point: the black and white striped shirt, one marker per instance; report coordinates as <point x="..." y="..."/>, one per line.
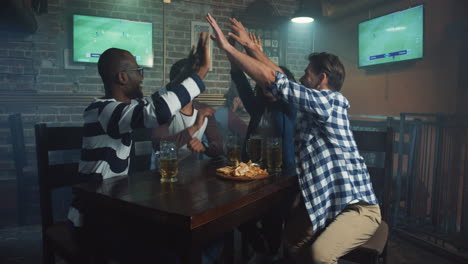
<point x="108" y="124"/>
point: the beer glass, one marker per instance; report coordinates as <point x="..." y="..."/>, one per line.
<point x="168" y="164"/>
<point x="233" y="149"/>
<point x="254" y="148"/>
<point x="274" y="154"/>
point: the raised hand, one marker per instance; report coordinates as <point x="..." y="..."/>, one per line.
<point x="200" y="56"/>
<point x="218" y="35"/>
<point x="239" y="33"/>
<point x="256" y="40"/>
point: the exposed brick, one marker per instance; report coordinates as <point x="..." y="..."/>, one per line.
<point x="45" y="49"/>
<point x="48" y="118"/>
<point x="77" y="118"/>
<point x="63" y="118"/>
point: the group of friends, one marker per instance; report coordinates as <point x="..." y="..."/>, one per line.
<point x="336" y="209"/>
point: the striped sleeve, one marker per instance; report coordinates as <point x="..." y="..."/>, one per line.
<point x="170" y="102"/>
<point x="119" y="118"/>
<point x="306" y="99"/>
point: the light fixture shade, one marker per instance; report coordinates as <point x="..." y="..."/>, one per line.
<point x="307" y="12"/>
<point x="302" y="19"/>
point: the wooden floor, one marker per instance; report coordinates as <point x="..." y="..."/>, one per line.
<point x="21" y="245"/>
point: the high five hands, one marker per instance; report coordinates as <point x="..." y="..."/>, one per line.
<point x="239" y="34"/>
<point x="255" y="63"/>
<point x="257" y="41"/>
<point x="218" y="35"/>
<point x="200" y="55"/>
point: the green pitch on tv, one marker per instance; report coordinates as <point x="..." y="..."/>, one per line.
<point x="93" y="35"/>
<point x="391" y="38"/>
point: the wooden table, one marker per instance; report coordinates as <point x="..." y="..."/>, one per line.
<point x="188" y="214"/>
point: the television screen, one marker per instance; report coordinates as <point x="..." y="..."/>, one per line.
<point x="394" y="37"/>
<point x="93" y="35"/>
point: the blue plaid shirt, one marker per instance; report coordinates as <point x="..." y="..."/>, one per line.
<point x="331" y="171"/>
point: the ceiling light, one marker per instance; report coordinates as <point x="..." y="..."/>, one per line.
<point x="307" y="12"/>
<point x="302" y="19"/>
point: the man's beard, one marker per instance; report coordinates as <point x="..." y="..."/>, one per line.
<point x="135" y="93"/>
<point x="139" y="94"/>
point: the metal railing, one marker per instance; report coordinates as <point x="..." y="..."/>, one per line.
<point x="432" y="174"/>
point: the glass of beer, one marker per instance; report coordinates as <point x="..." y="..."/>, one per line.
<point x="168" y="161"/>
<point x="233" y="149"/>
<point x="254" y="148"/>
<point x="274" y="154"/>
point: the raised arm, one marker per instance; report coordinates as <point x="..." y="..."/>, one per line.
<point x="242" y="85"/>
<point x="308" y="100"/>
<point x="251" y="43"/>
<point x="118" y="118"/>
<point x="261" y="73"/>
<point x="246" y="94"/>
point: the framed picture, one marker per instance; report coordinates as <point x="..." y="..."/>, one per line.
<point x="196" y="28"/>
<point x="271" y="41"/>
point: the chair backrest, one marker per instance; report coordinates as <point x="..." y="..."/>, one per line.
<point x="19" y="155"/>
<point x="142" y="148"/>
<point x="54" y="176"/>
<point x="17" y="140"/>
<point x="377" y="149"/>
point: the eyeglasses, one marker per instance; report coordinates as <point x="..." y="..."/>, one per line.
<point x="140" y="70"/>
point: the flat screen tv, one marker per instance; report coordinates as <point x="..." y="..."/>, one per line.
<point x="394" y="37"/>
<point x="93" y="35"/>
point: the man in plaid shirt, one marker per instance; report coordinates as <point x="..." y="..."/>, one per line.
<point x="338" y="210"/>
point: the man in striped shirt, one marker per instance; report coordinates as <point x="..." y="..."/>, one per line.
<point x="109" y="121"/>
<point x="338" y="210"/>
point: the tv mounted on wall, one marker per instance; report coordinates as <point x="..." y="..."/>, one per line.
<point x="391" y="38"/>
<point x="93" y="35"/>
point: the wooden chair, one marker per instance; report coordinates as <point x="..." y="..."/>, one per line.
<point x="377" y="144"/>
<point x="56" y="236"/>
<point x="15" y="190"/>
<point x="142" y="148"/>
<point x="19" y="155"/>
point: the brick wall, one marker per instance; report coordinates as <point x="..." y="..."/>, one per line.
<point x="32" y="64"/>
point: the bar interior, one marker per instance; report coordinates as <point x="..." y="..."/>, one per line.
<point x="233" y="131"/>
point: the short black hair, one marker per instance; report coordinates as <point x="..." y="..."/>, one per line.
<point x="330" y="65"/>
<point x="110" y="63"/>
<point x="180" y="71"/>
<point x="178" y="67"/>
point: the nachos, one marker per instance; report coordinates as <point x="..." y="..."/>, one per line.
<point x="241" y="169"/>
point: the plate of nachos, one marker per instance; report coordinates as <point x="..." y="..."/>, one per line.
<point x="242" y="172"/>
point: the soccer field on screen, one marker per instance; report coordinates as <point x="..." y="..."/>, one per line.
<point x="394" y="37"/>
<point x="93" y="35"/>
